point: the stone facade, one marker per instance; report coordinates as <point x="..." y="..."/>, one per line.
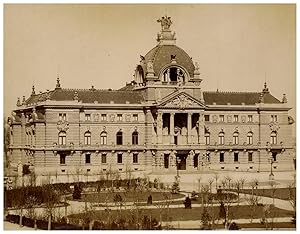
<point x="161" y="121"/>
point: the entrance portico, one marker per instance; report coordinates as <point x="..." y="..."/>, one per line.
<point x="180" y="128"/>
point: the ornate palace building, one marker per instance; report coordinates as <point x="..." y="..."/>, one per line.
<point x="162" y="121"/>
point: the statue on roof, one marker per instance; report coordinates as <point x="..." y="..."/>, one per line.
<point x="165" y="22"/>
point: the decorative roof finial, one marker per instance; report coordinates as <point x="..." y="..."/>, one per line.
<point x="284" y="99"/>
<point x="18" y="102"/>
<point x="265" y="90"/>
<point x="33" y="90"/>
<point x="165" y="22"/>
<point x="24" y="100"/>
<point x="166" y="36"/>
<point x="58" y="82"/>
<point x="261" y="98"/>
<point x="75" y="97"/>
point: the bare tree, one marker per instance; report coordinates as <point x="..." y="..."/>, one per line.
<point x="19" y="204"/>
<point x="210" y="181"/>
<point x="31" y="202"/>
<point x="228" y="180"/>
<point x="243" y="181"/>
<point x="216" y="179"/>
<point x="292" y="198"/>
<point x="252" y="199"/>
<point x="226" y="199"/>
<point x="51" y="199"/>
<point x="237" y="186"/>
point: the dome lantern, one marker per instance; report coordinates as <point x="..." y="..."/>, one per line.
<point x="166" y="36"/>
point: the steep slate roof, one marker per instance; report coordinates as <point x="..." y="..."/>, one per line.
<point x="160" y="55"/>
<point x="89" y="96"/>
<point x="237" y="98"/>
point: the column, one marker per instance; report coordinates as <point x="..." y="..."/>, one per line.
<point x="149" y="127"/>
<point x="159" y="127"/>
<point x="172" y="127"/>
<point x="189" y="128"/>
<point x="201" y="128"/>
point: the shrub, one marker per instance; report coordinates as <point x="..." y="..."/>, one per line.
<point x="28" y="222"/>
<point x="77" y="192"/>
<point x="233" y="226"/>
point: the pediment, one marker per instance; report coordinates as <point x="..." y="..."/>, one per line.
<point x="181" y="101"/>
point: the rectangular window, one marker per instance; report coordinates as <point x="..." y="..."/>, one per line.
<point x="221" y="139"/>
<point x="250" y="157"/>
<point x="119" y="138"/>
<point x="221" y="157"/>
<point x="88" y="158"/>
<point x="207" y="139"/>
<point x="135" y="117"/>
<point x="62" y="116"/>
<point x="62" y="159"/>
<point x="119" y="117"/>
<point x="221" y="118"/>
<point x="236" y="118"/>
<point x="206" y="118"/>
<point x="208" y="157"/>
<point x="87" y="117"/>
<point x="135" y="158"/>
<point x="196" y="160"/>
<point x="62" y="139"/>
<point x="274" y="118"/>
<point x="250" y="118"/>
<point x="235" y="139"/>
<point x="103" y="158"/>
<point x="274" y="156"/>
<point x="103" y="117"/>
<point x="120" y="159"/>
<point x="236" y="156"/>
<point x="103" y="139"/>
<point x="166" y="160"/>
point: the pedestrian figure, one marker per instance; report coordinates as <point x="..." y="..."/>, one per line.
<point x="149" y="202"/>
<point x="187" y="203"/>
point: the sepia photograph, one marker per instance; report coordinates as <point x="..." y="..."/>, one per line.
<point x="149" y="117"/>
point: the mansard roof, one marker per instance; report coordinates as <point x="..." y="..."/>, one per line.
<point x="89" y="96"/>
<point x="237" y="98"/>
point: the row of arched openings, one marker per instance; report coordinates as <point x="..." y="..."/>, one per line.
<point x="235" y="138"/>
<point x="103" y="138"/>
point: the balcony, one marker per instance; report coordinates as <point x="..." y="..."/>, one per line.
<point x="65" y="147"/>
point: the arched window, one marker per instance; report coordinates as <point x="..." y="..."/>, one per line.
<point x="207" y="138"/>
<point x="274" y="138"/>
<point x="62" y="138"/>
<point x="87" y="138"/>
<point x="119" y="138"/>
<point x="174" y="74"/>
<point x="221" y="138"/>
<point x="235" y="138"/>
<point x="250" y="138"/>
<point x="103" y="138"/>
<point x="135" y="138"/>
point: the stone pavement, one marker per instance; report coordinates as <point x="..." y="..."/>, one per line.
<point x="193" y="224"/>
<point x="14" y="226"/>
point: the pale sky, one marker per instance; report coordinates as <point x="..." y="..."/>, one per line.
<point x="236" y="46"/>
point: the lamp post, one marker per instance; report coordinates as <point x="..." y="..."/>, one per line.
<point x="178" y="160"/>
<point x="271" y="176"/>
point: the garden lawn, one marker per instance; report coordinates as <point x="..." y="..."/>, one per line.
<point x="177" y="214"/>
<point x="130" y="196"/>
<point x="280" y="193"/>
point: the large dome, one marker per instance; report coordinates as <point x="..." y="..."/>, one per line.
<point x="161" y="56"/>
